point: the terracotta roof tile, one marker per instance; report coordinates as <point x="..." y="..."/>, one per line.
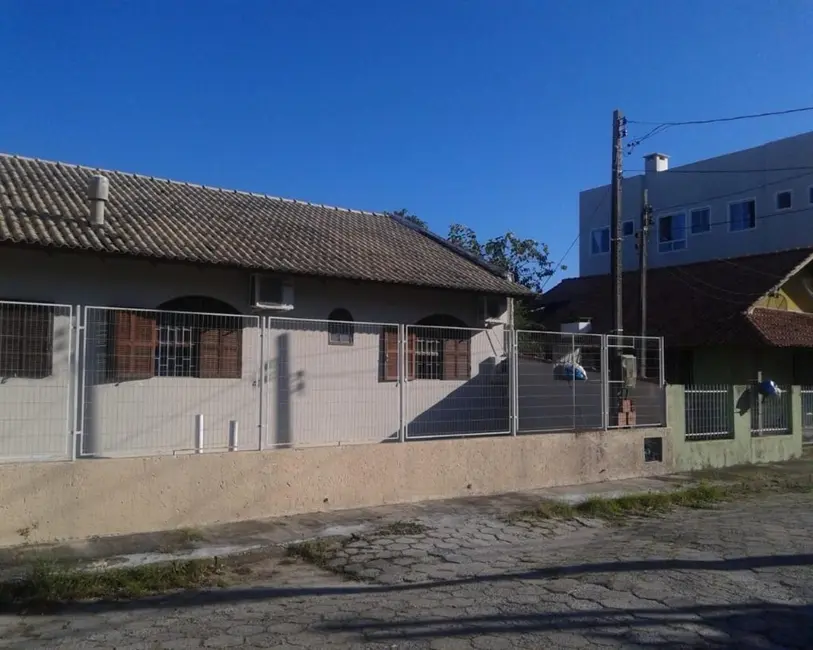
<point x="690" y="305"/>
<point x="44" y="203"/>
<point x="783" y="328"/>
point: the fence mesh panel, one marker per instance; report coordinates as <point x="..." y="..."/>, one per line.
<point x="709" y="412"/>
<point x="807" y="414"/>
<point x="158" y="382"/>
<point x="770" y="416"/>
<point x="330" y="382"/>
<point x="643" y="404"/>
<point x="35" y="381"/>
<point x="457" y="381"/>
<point x="559" y="381"/>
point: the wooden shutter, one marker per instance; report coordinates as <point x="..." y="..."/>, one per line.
<point x="36" y="342"/>
<point x="390" y="350"/>
<point x="456" y="359"/>
<point x="134" y="338"/>
<point x="221" y="353"/>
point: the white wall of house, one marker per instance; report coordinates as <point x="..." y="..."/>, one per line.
<point x="698" y="186"/>
<point x="315" y="393"/>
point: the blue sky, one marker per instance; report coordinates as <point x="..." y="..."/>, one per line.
<point x="491" y="113"/>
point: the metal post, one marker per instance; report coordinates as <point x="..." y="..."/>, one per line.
<point x="73" y="393"/>
<point x="261" y="382"/>
<point x="616" y="238"/>
<point x="758" y="402"/>
<point x="402" y="376"/>
<point x="643" y="261"/>
<point x="79" y="378"/>
<point x="198" y="433"/>
<point x="233" y="435"/>
<point x="512" y="382"/>
<point x="605" y="383"/>
<point x="573" y="381"/>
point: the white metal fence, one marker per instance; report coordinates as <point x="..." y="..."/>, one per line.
<point x="807" y="414"/>
<point x="108" y="382"/>
<point x="770" y="416"/>
<point x="35" y="381"/>
<point x="709" y="412"/>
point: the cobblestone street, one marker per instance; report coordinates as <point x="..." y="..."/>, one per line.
<point x="739" y="576"/>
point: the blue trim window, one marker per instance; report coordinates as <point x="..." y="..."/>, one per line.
<point x="742" y="215"/>
<point x="600" y="241"/>
<point x="672" y="232"/>
<point x="628" y="229"/>
<point x="701" y="220"/>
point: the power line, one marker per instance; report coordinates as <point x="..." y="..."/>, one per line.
<point x="734" y="118"/>
<point x="671" y="270"/>
<point x="573" y="243"/>
<point x="730" y="171"/>
<point x="689" y="277"/>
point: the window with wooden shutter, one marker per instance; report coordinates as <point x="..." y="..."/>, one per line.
<point x="456" y="359"/>
<point x="221" y="353"/>
<point x="389" y="350"/>
<point x="26" y="340"/>
<point x="133" y="337"/>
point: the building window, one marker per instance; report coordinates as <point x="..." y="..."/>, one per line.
<point x="810" y="194"/>
<point x="600" y="241"/>
<point x="672" y="232"/>
<point x="26" y="340"/>
<point x="742" y="215"/>
<point x="701" y="220"/>
<point x="438" y="347"/>
<point x="784" y="200"/>
<point x="628" y="229"/>
<point x="340" y="330"/>
<point x="187" y="337"/>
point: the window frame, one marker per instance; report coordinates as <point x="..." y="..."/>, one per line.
<point x="739" y="202"/>
<point x="609" y="241"/>
<point x="43" y="312"/>
<point x="341" y="331"/>
<point x="685" y="240"/>
<point x="776" y="200"/>
<point x="691" y="223"/>
<point x="623" y="228"/>
<point x="810" y="195"/>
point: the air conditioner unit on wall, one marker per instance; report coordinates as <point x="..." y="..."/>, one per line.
<point x="491" y="309"/>
<point x="271" y="292"/>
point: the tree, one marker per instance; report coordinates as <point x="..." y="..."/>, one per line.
<point x="527" y="259"/>
<point x="404" y="214"/>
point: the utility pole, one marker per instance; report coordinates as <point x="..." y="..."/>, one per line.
<point x="643" y="260"/>
<point x="616" y="240"/>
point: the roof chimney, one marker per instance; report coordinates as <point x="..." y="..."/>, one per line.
<point x="98" y="190"/>
<point x="656" y="162"/>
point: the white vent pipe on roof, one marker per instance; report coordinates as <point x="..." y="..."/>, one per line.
<point x="98" y="192"/>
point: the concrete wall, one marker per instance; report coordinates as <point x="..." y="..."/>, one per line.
<point x="680" y="190"/>
<point x="314" y="393"/>
<point x="739" y="450"/>
<point x="128" y="495"/>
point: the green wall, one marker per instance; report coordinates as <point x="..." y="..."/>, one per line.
<point x="731" y="365"/>
<point x="742" y="448"/>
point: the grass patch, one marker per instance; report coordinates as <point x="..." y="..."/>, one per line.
<point x="318" y="552"/>
<point x="401" y="528"/>
<point x="640" y="505"/>
<point x="48" y="585"/>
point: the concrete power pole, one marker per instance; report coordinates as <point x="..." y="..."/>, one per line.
<point x="616" y="234"/>
<point x="643" y="259"/>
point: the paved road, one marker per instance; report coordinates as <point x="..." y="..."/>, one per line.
<point x="739" y="577"/>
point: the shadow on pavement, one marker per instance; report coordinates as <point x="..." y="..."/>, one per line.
<point x="746" y="627"/>
<point x="241" y="595"/>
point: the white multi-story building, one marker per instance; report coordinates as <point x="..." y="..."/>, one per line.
<point x="758" y="200"/>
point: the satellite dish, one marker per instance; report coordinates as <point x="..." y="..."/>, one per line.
<point x="807" y="282"/>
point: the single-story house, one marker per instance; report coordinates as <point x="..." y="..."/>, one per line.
<point x="722" y="321"/>
<point x="156" y="289"/>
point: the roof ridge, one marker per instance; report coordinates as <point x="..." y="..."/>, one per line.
<point x="211" y="188"/>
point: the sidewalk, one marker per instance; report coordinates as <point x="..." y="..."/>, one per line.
<point x="243" y="537"/>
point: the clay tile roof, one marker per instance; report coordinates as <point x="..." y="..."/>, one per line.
<point x="691" y="305"/>
<point x="783" y="328"/>
<point x="44" y="204"/>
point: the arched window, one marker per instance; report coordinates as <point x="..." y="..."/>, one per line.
<point x="340" y="328"/>
<point x="441" y="347"/>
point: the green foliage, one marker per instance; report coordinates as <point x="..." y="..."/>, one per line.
<point x="406" y="216"/>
